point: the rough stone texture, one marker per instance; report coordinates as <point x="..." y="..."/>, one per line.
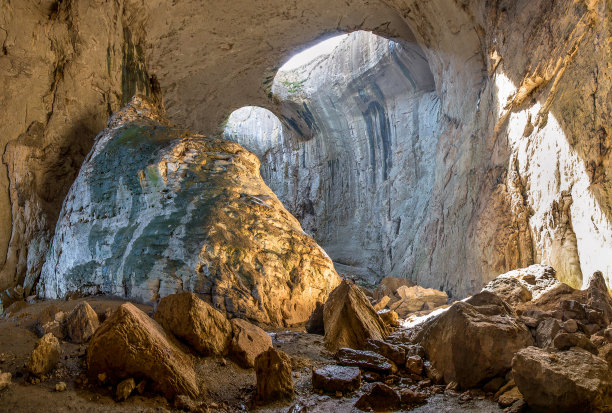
<point x="81" y="323"/>
<point x="274" y="381"/>
<point x="510" y="290"/>
<point x="598" y="296"/>
<point x="350" y="320"/>
<point x="45" y="355"/>
<point x="248" y="342"/>
<point x="367" y="360"/>
<point x="394" y="353"/>
<point x="189" y="318"/>
<point x="5" y="380"/>
<point x="131" y="344"/>
<point x="567" y="381"/>
<point x="315" y="324"/>
<point x="389" y="285"/>
<point x="537" y="279"/>
<point x="51" y="320"/>
<point x="332" y="379"/>
<point x="379" y="398"/>
<point x="157" y="210"/>
<point x="412" y="299"/>
<point x="389" y="317"/>
<point x="474" y="340"/>
<point x="546" y="332"/>
<point x="124" y="389"/>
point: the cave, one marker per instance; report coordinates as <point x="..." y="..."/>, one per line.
<point x="379" y="205"/>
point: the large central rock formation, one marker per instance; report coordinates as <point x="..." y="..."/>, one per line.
<point x="156" y="210"/>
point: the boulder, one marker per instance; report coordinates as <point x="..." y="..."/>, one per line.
<point x="51" y="320"/>
<point x="563" y="381"/>
<point x="332" y="379"/>
<point x="382" y="303"/>
<point x="315" y="324"/>
<point x="274" y="381"/>
<point x="172" y="210"/>
<point x="350" y="320"/>
<point x="248" y="342"/>
<point x="367" y="360"/>
<point x="414" y="364"/>
<point x="509" y="397"/>
<point x="389" y="285"/>
<point x="565" y="341"/>
<point x="10" y="296"/>
<point x="45" y="355"/>
<point x="412" y="397"/>
<point x="599" y="298"/>
<point x="81" y="323"/>
<point x="124" y="389"/>
<point x="389" y="317"/>
<point x="5" y="380"/>
<point x="511" y="290"/>
<point x="474" y="340"/>
<point x="131" y="344"/>
<point x="546" y="332"/>
<point x="416" y="298"/>
<point x="195" y="322"/>
<point x="537" y="279"/>
<point x="394" y="353"/>
<point x="379" y="398"/>
<point x="605" y="353"/>
<point x="14" y="308"/>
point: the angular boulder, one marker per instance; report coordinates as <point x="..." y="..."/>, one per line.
<point x="379" y="398"/>
<point x="511" y="290"/>
<point x="394" y="353"/>
<point x="51" y="320"/>
<point x="194" y="321"/>
<point x="274" y="381"/>
<point x="156" y="210"/>
<point x="367" y="360"/>
<point x="315" y="324"/>
<point x="45" y="355"/>
<point x="332" y="379"/>
<point x="599" y="298"/>
<point x="417" y="298"/>
<point x="389" y="285"/>
<point x="474" y="340"/>
<point x="563" y="381"/>
<point x="248" y="342"/>
<point x="131" y="344"/>
<point x="537" y="279"/>
<point x="82" y="323"/>
<point x="350" y="320"/>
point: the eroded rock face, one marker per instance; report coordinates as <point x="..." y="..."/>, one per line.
<point x="566" y="381"/>
<point x="274" y="381"/>
<point x="131" y="344"/>
<point x="45" y="355"/>
<point x="350" y="320"/>
<point x="248" y="342"/>
<point x="196" y="322"/>
<point x="157" y="210"/>
<point x="81" y="323"/>
<point x="332" y="379"/>
<point x="474" y="340"/>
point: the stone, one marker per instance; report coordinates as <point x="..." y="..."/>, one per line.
<point x="388" y="287"/>
<point x="509" y="289"/>
<point x="45" y="355"/>
<point x="10" y="296"/>
<point x="474" y="340"/>
<point x="350" y="320"/>
<point x="5" y="380"/>
<point x="389" y="317"/>
<point x="332" y="379"/>
<point x="60" y="387"/>
<point x="131" y="344"/>
<point x="565" y="341"/>
<point x="315" y="324"/>
<point x="248" y="342"/>
<point x="598" y="297"/>
<point x="414" y="364"/>
<point x="81" y="323"/>
<point x="410" y="397"/>
<point x="510" y="397"/>
<point x="15" y="308"/>
<point x="124" y="389"/>
<point x="274" y="381"/>
<point x="494" y="385"/>
<point x="171" y="202"/>
<point x="195" y="322"/>
<point x="51" y="320"/>
<point x="183" y="402"/>
<point x="566" y="381"/>
<point x="379" y="398"/>
<point x="546" y="332"/>
<point x="417" y="298"/>
<point x="571" y="326"/>
<point x="394" y="353"/>
<point x="414" y="350"/>
<point x="367" y="360"/>
<point x="605" y="353"/>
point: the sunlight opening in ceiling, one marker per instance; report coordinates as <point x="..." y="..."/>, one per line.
<point x="308" y="55"/>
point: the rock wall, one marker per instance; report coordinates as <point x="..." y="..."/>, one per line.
<point x="156" y="210"/>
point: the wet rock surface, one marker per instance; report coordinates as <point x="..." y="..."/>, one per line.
<point x="367" y="360"/>
<point x="332" y="379"/>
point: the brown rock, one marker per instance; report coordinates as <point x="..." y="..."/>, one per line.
<point x="605" y="353"/>
<point x="367" y="360"/>
<point x="510" y="397"/>
<point x="389" y="317"/>
<point x="274" y="381"/>
<point x="414" y="364"/>
<point x="494" y="385"/>
<point x="315" y="324"/>
<point x="382" y="303"/>
<point x="567" y="381"/>
<point x="51" y="320"/>
<point x="249" y="341"/>
<point x="511" y="290"/>
<point x="417" y="298"/>
<point x="194" y="321"/>
<point x="411" y="397"/>
<point x="379" y="398"/>
<point x="546" y="332"/>
<point x="394" y="353"/>
<point x="5" y="380"/>
<point x="131" y="344"/>
<point x="350" y="319"/>
<point x="45" y="355"/>
<point x="565" y="341"/>
<point x="599" y="298"/>
<point x="475" y="340"/>
<point x="332" y="379"/>
<point x="81" y="323"/>
<point x="15" y="308"/>
<point x="125" y="388"/>
<point x="389" y="285"/>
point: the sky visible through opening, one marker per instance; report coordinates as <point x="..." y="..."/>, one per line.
<point x="308" y="55"/>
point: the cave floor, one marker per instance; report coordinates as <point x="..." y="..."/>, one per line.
<point x="228" y="387"/>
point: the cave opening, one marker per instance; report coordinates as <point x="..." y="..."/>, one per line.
<point x="350" y="149"/>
